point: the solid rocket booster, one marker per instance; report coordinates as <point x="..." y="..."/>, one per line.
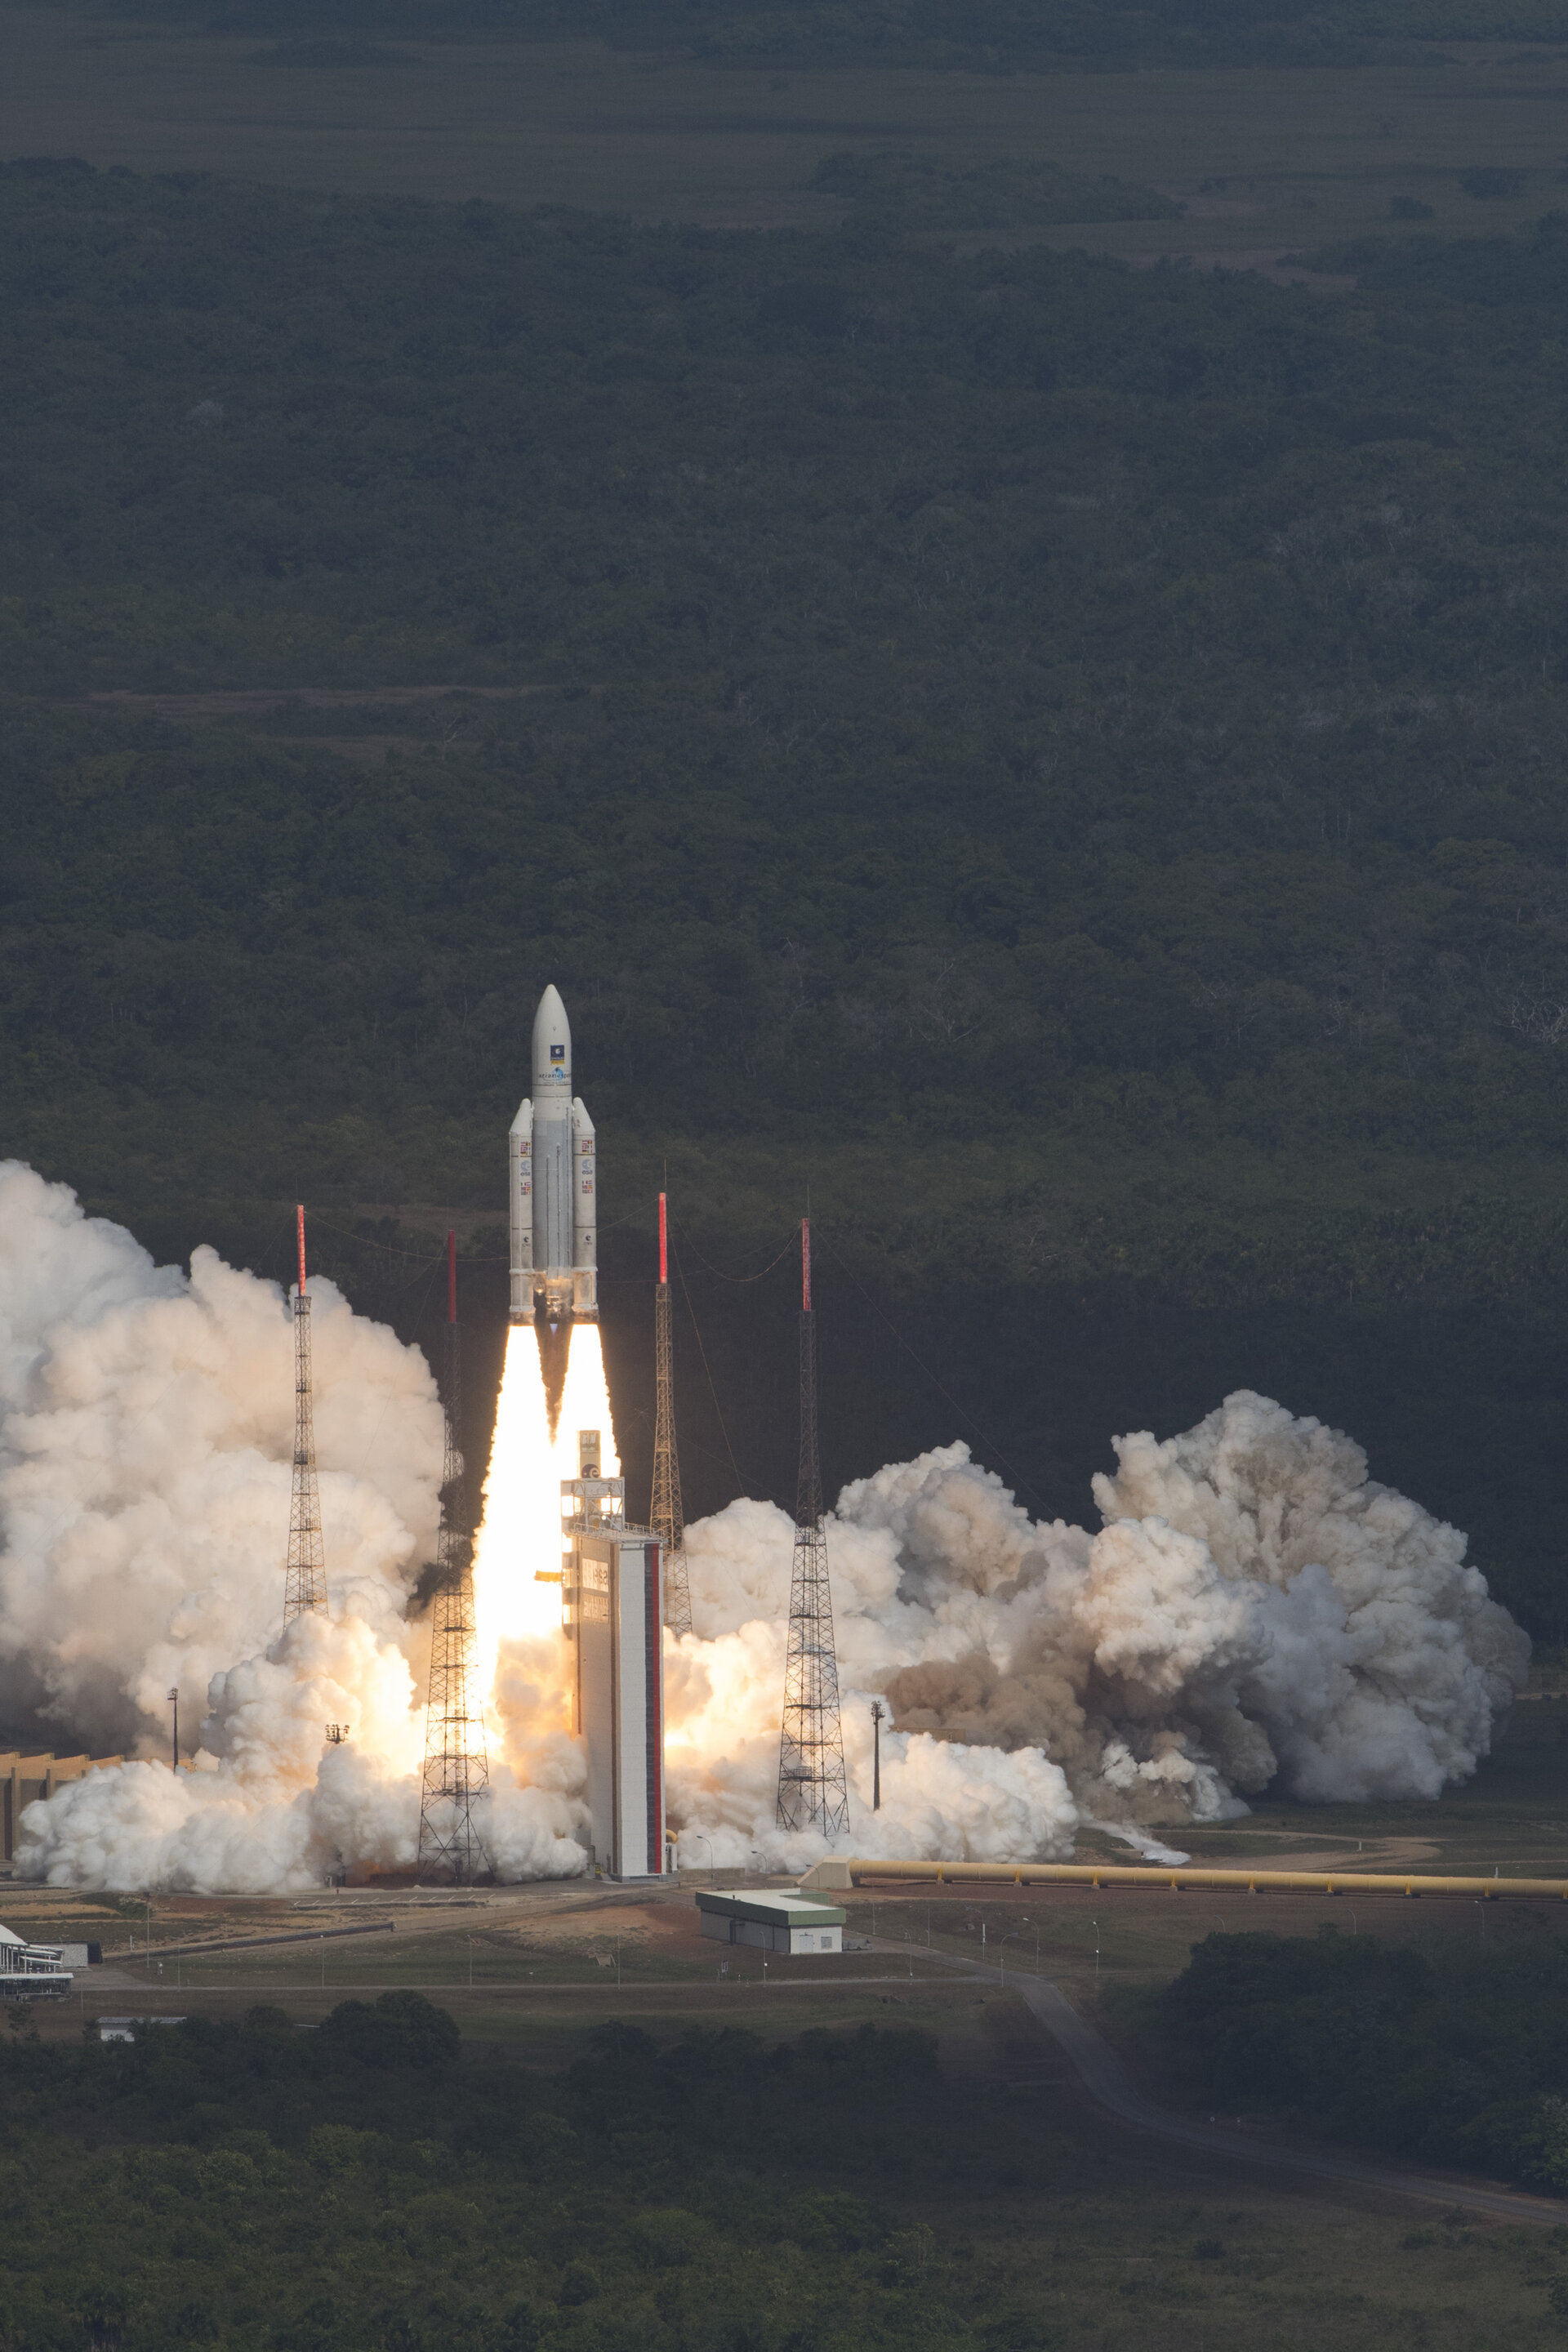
<point x="555" y="1214"/>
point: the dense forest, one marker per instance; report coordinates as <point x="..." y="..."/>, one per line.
<point x="965" y="35"/>
<point x="1127" y="701"/>
<point x="1063" y="761"/>
<point x="1458" y="2059"/>
<point x="366" y="2185"/>
<point x="371" y="2185"/>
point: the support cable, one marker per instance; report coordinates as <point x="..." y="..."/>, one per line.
<point x="989" y="1442"/>
<point x="712" y="1390"/>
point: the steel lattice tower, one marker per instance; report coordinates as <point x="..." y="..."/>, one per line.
<point x="813" y="1791"/>
<point x="667" y="1518"/>
<point x="457" y="1768"/>
<point x="305" y="1580"/>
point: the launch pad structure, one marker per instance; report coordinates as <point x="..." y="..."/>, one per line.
<point x="620" y="1584"/>
<point x="667" y="1514"/>
<point x="813" y="1790"/>
<point x="613" y="1612"/>
<point x="305" y="1577"/>
<point x="612" y="1602"/>
<point x="457" y="1766"/>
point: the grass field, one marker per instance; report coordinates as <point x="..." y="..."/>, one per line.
<point x="615" y="1946"/>
<point x="1096" y="2237"/>
<point x="1119" y="2240"/>
<point x="1264" y="161"/>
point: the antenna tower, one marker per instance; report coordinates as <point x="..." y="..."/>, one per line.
<point x="305" y="1580"/>
<point x="812" y="1792"/>
<point x="667" y="1518"/>
<point x="457" y="1769"/>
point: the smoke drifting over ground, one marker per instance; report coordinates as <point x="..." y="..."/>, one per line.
<point x="1253" y="1611"/>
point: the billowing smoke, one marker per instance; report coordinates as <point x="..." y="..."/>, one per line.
<point x="146" y="1443"/>
<point x="146" y="1434"/>
<point x="1254" y="1612"/>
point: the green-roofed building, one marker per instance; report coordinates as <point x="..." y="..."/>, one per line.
<point x="777" y="1923"/>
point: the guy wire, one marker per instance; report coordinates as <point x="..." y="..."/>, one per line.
<point x="790" y="1241"/>
<point x="990" y="1444"/>
<point x="740" y="1482"/>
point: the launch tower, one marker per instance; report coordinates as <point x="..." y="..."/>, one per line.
<point x="305" y="1579"/>
<point x="813" y="1791"/>
<point x="667" y="1516"/>
<point x="457" y="1768"/>
<point x="612" y="1611"/>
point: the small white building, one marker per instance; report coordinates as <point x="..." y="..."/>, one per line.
<point x="777" y="1923"/>
<point x="32" y="1972"/>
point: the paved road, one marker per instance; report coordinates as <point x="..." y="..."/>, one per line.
<point x="1107" y="2081"/>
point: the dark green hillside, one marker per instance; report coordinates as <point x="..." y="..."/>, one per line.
<point x="363" y="2190"/>
<point x="1455" y="2058"/>
<point x="1066" y="760"/>
<point x="370" y="2186"/>
<point x="1130" y="697"/>
<point x="965" y="35"/>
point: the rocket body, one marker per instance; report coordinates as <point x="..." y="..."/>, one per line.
<point x="554" y="1178"/>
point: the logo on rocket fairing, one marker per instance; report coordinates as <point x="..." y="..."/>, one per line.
<point x="558" y="1053"/>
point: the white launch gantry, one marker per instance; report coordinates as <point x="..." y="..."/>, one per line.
<point x="613" y="1612"/>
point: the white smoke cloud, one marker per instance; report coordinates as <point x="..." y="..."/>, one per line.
<point x="1378" y="1663"/>
<point x="146" y="1436"/>
<point x="1255" y="1610"/>
<point x="146" y="1440"/>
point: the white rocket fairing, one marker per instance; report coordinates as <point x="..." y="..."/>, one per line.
<point x="555" y="1214"/>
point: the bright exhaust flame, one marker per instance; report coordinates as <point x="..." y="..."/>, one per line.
<point x="1254" y="1609"/>
<point x="520" y="1537"/>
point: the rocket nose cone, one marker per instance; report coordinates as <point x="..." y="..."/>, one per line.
<point x="552" y="1045"/>
<point x="551" y="1025"/>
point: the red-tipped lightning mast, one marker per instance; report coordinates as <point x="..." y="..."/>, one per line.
<point x="305" y="1577"/>
<point x="666" y="1515"/>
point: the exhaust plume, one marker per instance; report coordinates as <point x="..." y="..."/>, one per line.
<point x="1254" y="1611"/>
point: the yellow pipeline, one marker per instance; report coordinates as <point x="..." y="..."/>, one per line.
<point x="841" y="1873"/>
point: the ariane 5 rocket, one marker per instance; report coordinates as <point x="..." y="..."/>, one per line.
<point x="554" y="1212"/>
